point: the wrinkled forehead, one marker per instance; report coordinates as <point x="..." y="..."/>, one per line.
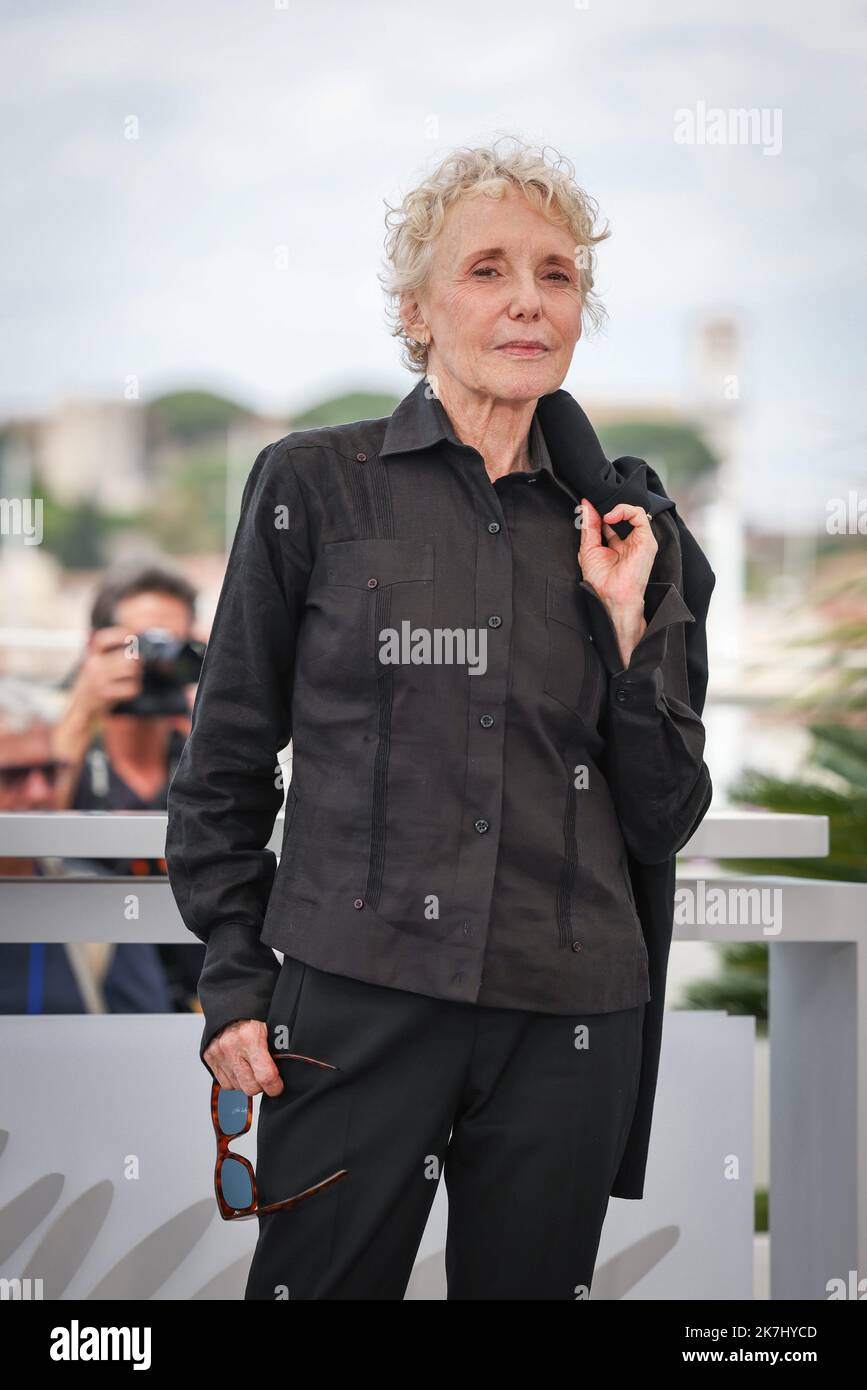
<point x="476" y="224"/>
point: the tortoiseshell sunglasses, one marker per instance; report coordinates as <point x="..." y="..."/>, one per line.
<point x="234" y="1179"/>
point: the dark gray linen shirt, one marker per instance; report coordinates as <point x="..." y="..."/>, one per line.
<point x="460" y="833"/>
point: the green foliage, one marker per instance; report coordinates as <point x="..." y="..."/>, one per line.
<point x="834" y="786"/>
<point x="741" y="987"/>
<point x="843" y="751"/>
<point x="342" y="410"/>
<point x="187" y="416"/>
<point x="77" y="535"/>
<point x="188" y="513"/>
<point x="676" y="451"/>
<point x="838" y="754"/>
<point x="847" y="816"/>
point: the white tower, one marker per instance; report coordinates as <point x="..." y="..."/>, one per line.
<point x="715" y="400"/>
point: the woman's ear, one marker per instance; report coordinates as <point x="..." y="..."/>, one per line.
<point x="412" y="317"/>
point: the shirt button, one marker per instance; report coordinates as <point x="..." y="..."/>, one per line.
<point x="495" y="620"/>
<point x="576" y="945"/>
<point x="482" y="826"/>
<point x="493" y="527"/>
<point x="457" y="979"/>
<point x="466" y="928"/>
<point x="621" y="695"/>
<point x="359" y="902"/>
<point x="361" y="458"/>
<point x="486" y="720"/>
<point x="372" y="583"/>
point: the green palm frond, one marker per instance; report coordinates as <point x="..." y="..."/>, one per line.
<point x="847" y="816"/>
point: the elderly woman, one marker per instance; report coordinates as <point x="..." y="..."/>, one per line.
<point x="497" y="751"/>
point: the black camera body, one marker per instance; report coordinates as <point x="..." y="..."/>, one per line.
<point x="168" y="664"/>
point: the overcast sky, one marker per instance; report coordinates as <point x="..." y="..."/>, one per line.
<point x="263" y="126"/>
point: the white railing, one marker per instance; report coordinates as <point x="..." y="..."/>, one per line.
<point x="816" y="929"/>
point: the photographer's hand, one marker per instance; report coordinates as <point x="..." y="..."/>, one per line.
<point x="108" y="674"/>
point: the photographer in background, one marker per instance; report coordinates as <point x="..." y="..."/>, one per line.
<point x="55" y="977"/>
<point x="122" y="734"/>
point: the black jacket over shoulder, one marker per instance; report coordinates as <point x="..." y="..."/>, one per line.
<point x="485" y="806"/>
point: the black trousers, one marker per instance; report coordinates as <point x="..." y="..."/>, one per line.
<point x="525" y="1114"/>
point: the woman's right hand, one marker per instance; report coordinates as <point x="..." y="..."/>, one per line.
<point x="239" y="1058"/>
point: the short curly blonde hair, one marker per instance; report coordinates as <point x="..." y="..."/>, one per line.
<point x="414" y="225"/>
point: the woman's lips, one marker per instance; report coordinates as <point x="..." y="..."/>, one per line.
<point x="522" y="349"/>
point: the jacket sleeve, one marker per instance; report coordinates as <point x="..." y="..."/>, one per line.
<point x="228" y="787"/>
<point x="655" y="738"/>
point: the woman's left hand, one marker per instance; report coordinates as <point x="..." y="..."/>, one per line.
<point x="619" y="570"/>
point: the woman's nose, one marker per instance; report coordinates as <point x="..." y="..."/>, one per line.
<point x="525" y="297"/>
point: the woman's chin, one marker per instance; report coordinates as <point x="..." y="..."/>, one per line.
<point x="518" y="378"/>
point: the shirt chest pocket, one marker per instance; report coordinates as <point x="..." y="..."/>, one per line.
<point x="370" y="588"/>
<point x="574" y="673"/>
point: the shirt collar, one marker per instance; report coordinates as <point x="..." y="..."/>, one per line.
<point x="566" y="443"/>
<point x="417" y="423"/>
<point x="539" y="456"/>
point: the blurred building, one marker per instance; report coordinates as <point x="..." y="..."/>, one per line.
<point x="95" y="450"/>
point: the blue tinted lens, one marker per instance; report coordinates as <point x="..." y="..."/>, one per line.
<point x="237" y="1187"/>
<point x="232" y="1111"/>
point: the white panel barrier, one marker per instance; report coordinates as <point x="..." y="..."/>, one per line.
<point x="106" y="1176"/>
<point x="74" y="1216"/>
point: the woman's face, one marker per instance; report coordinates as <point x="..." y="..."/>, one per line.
<point x="502" y="273"/>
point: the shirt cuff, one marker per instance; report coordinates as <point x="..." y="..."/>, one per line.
<point x="663" y="606"/>
<point x="237" y="979"/>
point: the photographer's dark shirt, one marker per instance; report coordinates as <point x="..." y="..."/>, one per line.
<point x="463" y="836"/>
<point x="157" y="978"/>
<point x="100" y="787"/>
